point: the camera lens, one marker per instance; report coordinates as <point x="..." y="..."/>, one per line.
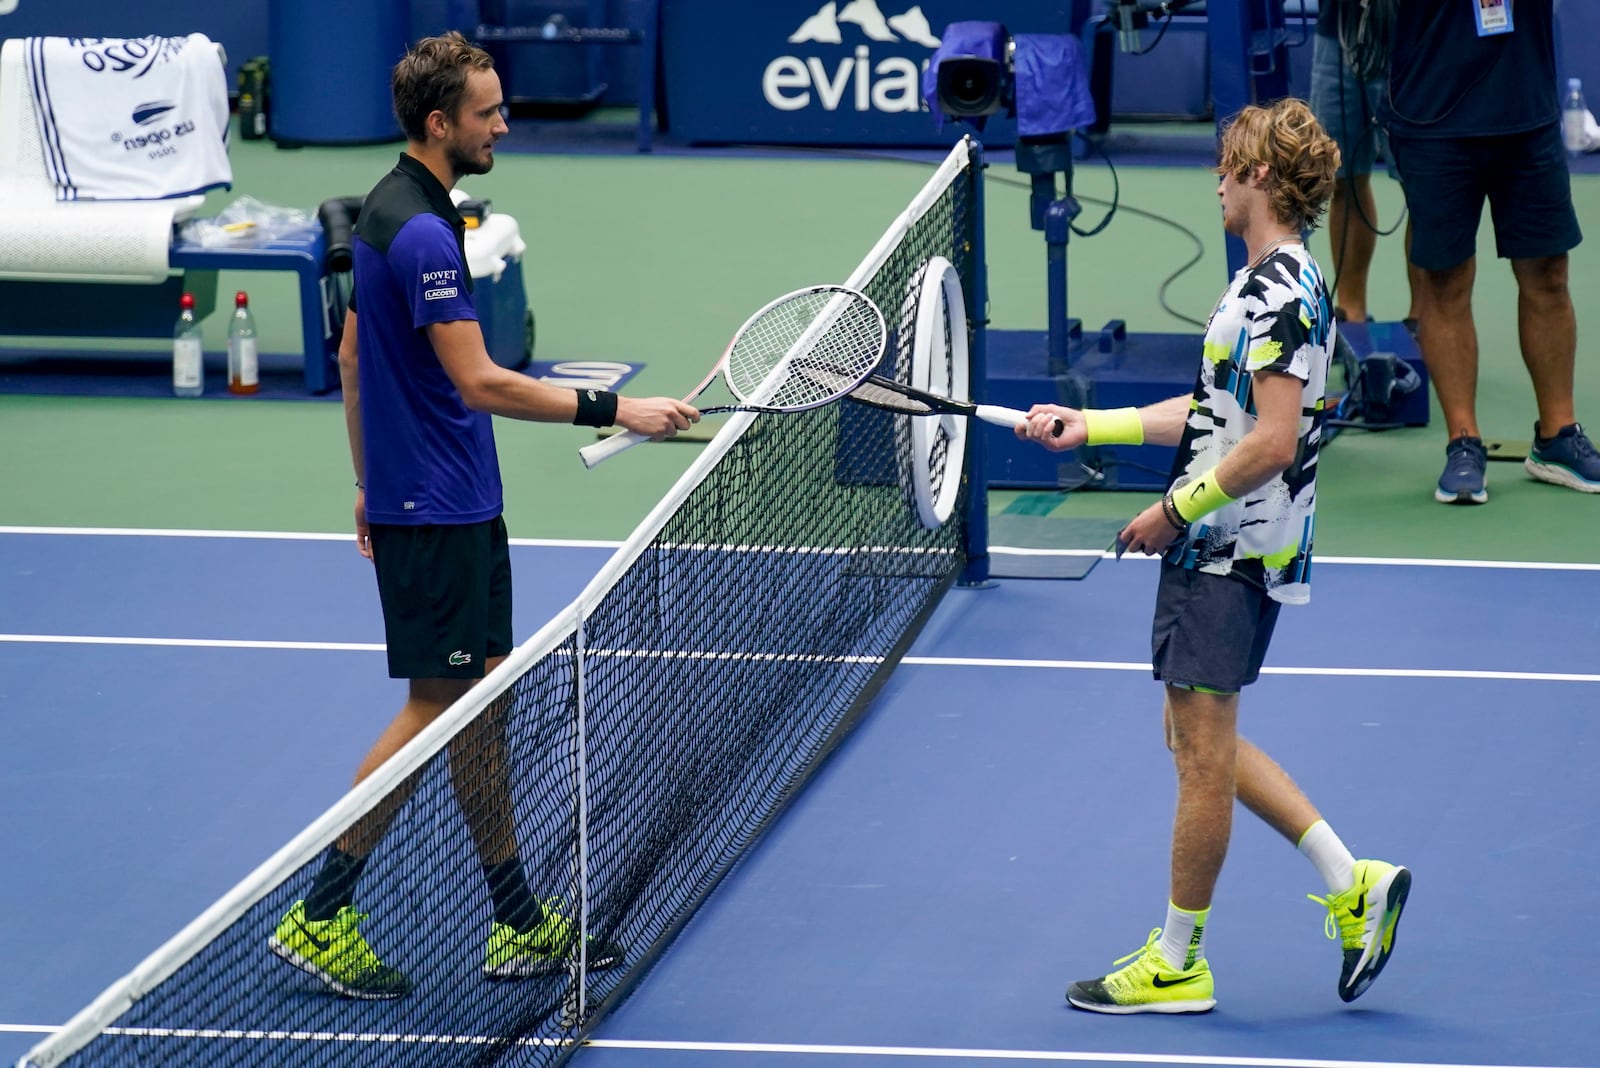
<point x="969" y="86"/>
<point x="967" y="90"/>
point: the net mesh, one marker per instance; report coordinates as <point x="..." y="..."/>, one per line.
<point x="644" y="740"/>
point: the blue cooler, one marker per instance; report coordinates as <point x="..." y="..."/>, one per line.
<point x="494" y="257"/>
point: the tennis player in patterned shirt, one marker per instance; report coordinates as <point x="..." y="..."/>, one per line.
<point x="1234" y="531"/>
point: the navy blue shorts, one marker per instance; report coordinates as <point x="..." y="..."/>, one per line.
<point x="446" y="595"/>
<point x="1210" y="631"/>
<point x="1524" y="178"/>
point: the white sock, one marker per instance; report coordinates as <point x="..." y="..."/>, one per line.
<point x="1183" y="939"/>
<point x="1333" y="861"/>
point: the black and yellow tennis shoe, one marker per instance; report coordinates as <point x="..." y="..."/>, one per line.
<point x="335" y="952"/>
<point x="1149" y="984"/>
<point x="549" y="948"/>
<point x="1363" y="920"/>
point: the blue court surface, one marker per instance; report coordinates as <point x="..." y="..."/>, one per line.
<point x="177" y="707"/>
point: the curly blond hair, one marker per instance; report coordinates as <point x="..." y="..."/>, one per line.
<point x="1301" y="159"/>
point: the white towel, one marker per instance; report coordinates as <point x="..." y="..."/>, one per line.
<point x="138" y="118"/>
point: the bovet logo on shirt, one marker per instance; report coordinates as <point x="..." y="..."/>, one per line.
<point x="437" y="279"/>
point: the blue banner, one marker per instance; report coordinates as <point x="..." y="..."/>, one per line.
<point x="241" y="29"/>
<point x="834" y="73"/>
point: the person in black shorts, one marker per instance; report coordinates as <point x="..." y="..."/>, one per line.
<point x="1346" y="106"/>
<point x="419" y="390"/>
<point x="1234" y="532"/>
<point x="1473" y="115"/>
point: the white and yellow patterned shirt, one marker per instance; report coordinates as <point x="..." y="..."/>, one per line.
<point x="1278" y="317"/>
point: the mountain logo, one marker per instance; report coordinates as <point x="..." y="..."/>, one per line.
<point x="856" y="81"/>
<point x="823" y="27"/>
<point x="145" y="114"/>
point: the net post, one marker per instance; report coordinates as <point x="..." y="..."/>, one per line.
<point x="581" y="755"/>
<point x="976" y="572"/>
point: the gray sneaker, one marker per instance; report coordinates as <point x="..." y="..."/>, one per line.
<point x="1466" y="464"/>
<point x="1568" y="459"/>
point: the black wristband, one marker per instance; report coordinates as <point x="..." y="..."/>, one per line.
<point x="596" y="407"/>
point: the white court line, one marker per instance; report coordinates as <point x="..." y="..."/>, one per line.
<point x="1022" y="1055"/>
<point x="1333" y="672"/>
<point x="200" y="643"/>
<point x="269" y="535"/>
<point x="770" y="1047"/>
<point x="1013" y="550"/>
<point x="921" y="661"/>
<point x="580" y="543"/>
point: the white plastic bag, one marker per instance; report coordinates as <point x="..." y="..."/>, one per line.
<point x="246" y="221"/>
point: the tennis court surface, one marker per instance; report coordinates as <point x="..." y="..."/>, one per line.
<point x="994" y="827"/>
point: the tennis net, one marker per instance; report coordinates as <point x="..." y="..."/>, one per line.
<point x="642" y="740"/>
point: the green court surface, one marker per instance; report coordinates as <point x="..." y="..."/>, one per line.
<point x="657" y="259"/>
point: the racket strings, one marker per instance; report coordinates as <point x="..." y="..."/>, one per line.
<point x="806" y="351"/>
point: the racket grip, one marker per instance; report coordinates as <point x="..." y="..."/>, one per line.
<point x="1009" y="417"/>
<point x="601" y="451"/>
<point x="999" y="416"/>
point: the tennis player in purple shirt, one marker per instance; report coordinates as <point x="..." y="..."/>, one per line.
<point x="419" y="390"/>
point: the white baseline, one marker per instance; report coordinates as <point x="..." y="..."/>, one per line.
<point x="778" y="1047"/>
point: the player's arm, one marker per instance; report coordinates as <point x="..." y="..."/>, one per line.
<point x="1154" y="424"/>
<point x="1269" y="448"/>
<point x="350" y="387"/>
<point x="1265" y="451"/>
<point x="485" y="386"/>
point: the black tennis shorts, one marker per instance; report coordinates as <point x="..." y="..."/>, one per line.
<point x="446" y="594"/>
<point x="1523" y="177"/>
<point x="1211" y="631"/>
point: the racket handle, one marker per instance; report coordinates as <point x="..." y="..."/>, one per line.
<point x="994" y="413"/>
<point x="601" y="451"/>
<point x="1009" y="417"/>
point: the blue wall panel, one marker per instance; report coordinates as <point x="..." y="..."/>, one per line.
<point x="716" y="43"/>
<point x="241" y="28"/>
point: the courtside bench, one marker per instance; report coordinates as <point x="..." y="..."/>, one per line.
<point x="114" y="269"/>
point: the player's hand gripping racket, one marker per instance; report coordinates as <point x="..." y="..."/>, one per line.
<point x="805" y="349"/>
<point x="876" y="391"/>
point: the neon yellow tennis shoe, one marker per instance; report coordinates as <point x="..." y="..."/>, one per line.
<point x="1149" y="984"/>
<point x="546" y="949"/>
<point x="1363" y="920"/>
<point x="335" y="952"/>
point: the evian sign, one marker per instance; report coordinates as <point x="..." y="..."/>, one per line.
<point x="855" y="80"/>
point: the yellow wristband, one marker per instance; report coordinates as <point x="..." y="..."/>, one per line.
<point x="1200" y="496"/>
<point x="1113" y="426"/>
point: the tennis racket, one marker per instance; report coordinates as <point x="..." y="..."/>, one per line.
<point x="876" y="391"/>
<point x="805" y="349"/>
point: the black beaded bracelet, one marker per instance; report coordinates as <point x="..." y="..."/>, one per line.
<point x="1169" y="511"/>
<point x="596" y="407"/>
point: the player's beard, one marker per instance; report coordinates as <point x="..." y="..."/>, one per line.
<point x="462" y="164"/>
